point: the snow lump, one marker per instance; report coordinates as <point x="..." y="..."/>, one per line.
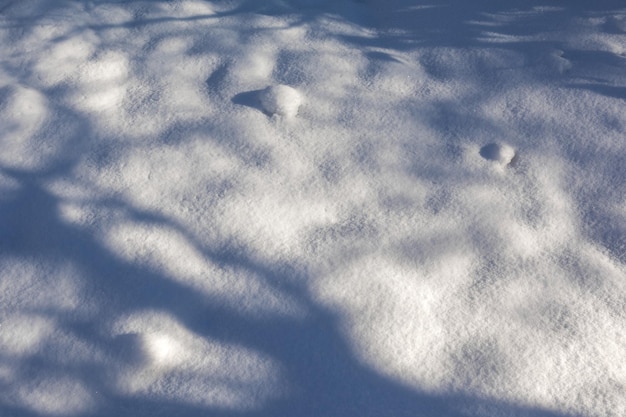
<point x="498" y="152"/>
<point x="281" y="100"/>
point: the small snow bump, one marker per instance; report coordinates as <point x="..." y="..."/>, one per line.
<point x="498" y="152"/>
<point x="559" y="62"/>
<point x="281" y="100"/>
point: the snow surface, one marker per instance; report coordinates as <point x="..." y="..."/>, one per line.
<point x="441" y="231"/>
<point x="281" y="100"/>
<point x="498" y="152"/>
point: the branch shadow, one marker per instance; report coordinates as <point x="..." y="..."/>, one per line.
<point x="326" y="377"/>
<point x="323" y="374"/>
<point x="602" y="89"/>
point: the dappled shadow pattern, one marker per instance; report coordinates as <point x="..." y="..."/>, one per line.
<point x="323" y="376"/>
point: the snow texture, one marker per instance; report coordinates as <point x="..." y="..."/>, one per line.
<point x="439" y="232"/>
<point x="499" y="152"/>
<point x="281" y="100"/>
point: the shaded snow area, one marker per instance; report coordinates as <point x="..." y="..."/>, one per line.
<point x="313" y="208"/>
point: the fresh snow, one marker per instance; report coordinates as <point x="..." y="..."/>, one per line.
<point x="281" y="100"/>
<point x="499" y="152"/>
<point x="424" y="214"/>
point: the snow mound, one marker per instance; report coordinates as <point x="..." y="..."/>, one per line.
<point x="558" y="62"/>
<point x="281" y="100"/>
<point x="498" y="152"/>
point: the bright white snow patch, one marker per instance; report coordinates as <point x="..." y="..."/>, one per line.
<point x="23" y="112"/>
<point x="281" y="100"/>
<point x="159" y="357"/>
<point x="56" y="396"/>
<point x="23" y="334"/>
<point x="161" y="347"/>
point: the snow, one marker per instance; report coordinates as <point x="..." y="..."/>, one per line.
<point x="313" y="208"/>
<point x="498" y="152"/>
<point x="281" y="100"/>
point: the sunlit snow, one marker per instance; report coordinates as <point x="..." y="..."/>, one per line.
<point x="307" y="208"/>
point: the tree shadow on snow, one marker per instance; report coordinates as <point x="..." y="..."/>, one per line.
<point x="603" y="89"/>
<point x="323" y="376"/>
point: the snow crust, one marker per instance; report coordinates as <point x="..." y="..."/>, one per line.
<point x="432" y="221"/>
